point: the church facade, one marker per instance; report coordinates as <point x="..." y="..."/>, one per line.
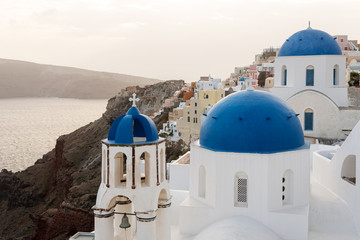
<point x="310" y="75"/>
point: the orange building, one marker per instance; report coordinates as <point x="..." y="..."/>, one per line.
<point x="190" y="93"/>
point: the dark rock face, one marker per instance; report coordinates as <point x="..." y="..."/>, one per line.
<point x="52" y="199"/>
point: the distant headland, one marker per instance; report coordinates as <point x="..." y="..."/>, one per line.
<point x="27" y="79"/>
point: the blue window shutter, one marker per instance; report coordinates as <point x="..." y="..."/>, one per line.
<point x="334" y="77"/>
<point x="309" y="120"/>
<point x="309" y="77"/>
<point x="285" y="77"/>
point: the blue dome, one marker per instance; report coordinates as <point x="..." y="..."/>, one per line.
<point x="132" y="125"/>
<point x="310" y="42"/>
<point x="251" y="122"/>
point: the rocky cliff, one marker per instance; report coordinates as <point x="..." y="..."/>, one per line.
<point x="52" y="199"/>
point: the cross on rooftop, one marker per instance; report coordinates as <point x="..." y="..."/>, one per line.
<point x="134" y="99"/>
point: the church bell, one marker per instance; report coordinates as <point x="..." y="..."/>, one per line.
<point x="125" y="222"/>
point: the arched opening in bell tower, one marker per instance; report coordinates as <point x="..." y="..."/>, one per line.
<point x="145" y="169"/>
<point x="120" y="168"/>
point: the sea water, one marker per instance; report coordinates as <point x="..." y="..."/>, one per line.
<point x="29" y="127"/>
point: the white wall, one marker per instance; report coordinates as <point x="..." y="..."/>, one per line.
<point x="211" y="84"/>
<point x="328" y="172"/>
<point x="179" y="176"/>
<point x="323" y="78"/>
<point x="330" y="121"/>
<point x="265" y="172"/>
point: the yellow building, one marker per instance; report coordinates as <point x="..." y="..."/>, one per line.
<point x="189" y="125"/>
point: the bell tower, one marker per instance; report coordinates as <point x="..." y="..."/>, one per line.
<point x="133" y="197"/>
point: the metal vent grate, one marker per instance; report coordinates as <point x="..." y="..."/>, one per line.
<point x="242" y="190"/>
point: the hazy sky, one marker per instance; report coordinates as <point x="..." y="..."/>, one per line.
<point x="172" y="39"/>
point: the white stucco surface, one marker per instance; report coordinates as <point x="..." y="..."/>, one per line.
<point x="237" y="228"/>
<point x="323" y="76"/>
<point x="330" y="217"/>
<point x="181" y="172"/>
<point x="330" y="121"/>
<point x="331" y="172"/>
<point x="332" y="116"/>
<point x="264" y="199"/>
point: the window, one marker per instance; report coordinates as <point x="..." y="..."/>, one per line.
<point x="195" y="104"/>
<point x="336" y="75"/>
<point x="195" y="111"/>
<point x="308" y="120"/>
<point x="202" y="182"/>
<point x="310" y="76"/>
<point x="348" y="170"/>
<point x="222" y="95"/>
<point x="341" y="40"/>
<point x="284" y="76"/>
<point x="188" y="119"/>
<point x="241" y="189"/>
<point x="145" y="171"/>
<point x="120" y="168"/>
<point x="207" y="96"/>
<point x="345" y="48"/>
<point x="287" y="187"/>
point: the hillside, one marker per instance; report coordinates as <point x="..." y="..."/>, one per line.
<point x="53" y="198"/>
<point x="26" y="79"/>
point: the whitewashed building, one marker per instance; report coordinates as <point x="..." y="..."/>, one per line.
<point x="310" y="75"/>
<point x="207" y="83"/>
<point x="169" y="128"/>
<point x="239" y="168"/>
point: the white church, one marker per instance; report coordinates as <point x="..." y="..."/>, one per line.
<point x="250" y="176"/>
<point x="310" y="76"/>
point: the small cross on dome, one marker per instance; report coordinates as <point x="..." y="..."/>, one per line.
<point x="134" y="99"/>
